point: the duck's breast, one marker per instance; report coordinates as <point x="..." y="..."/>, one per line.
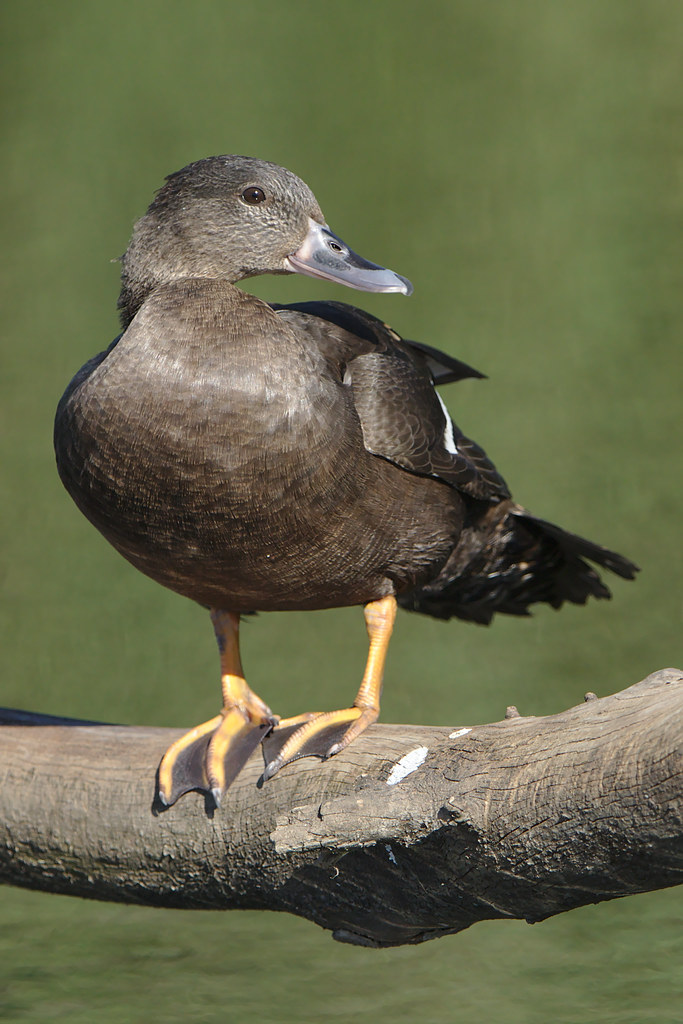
<point x="223" y="456"/>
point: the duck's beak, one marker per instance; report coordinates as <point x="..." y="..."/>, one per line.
<point x="323" y="254"/>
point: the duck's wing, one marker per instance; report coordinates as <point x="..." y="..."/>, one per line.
<point x="402" y="415"/>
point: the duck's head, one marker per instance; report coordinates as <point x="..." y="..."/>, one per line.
<point x="232" y="217"/>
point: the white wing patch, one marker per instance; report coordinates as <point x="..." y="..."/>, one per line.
<point x="448" y="438"/>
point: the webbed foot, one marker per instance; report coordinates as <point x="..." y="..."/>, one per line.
<point x="210" y="756"/>
<point x="321" y="735"/>
<point x="324" y="734"/>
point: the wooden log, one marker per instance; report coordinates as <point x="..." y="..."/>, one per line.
<point x="409" y="834"/>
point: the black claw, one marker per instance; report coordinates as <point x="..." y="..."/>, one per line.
<point x="271" y="768"/>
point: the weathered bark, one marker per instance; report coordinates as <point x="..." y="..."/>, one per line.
<point x="522" y="818"/>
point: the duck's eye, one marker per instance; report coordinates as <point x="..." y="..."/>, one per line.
<point x="253" y="195"/>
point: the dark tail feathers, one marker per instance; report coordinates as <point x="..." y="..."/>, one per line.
<point x="507" y="560"/>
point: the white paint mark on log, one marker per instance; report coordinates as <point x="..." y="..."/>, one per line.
<point x="410" y="762"/>
<point x="458" y="732"/>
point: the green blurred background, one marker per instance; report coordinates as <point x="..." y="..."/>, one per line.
<point x="521" y="163"/>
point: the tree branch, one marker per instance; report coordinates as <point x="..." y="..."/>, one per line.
<point x="409" y="834"/>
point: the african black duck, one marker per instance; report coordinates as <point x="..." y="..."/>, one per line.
<point x="257" y="457"/>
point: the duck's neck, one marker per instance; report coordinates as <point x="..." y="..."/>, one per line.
<point x="160" y="253"/>
<point x="131" y="297"/>
<point x="144" y="266"/>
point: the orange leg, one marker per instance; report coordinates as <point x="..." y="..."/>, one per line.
<point x="210" y="756"/>
<point x="326" y="733"/>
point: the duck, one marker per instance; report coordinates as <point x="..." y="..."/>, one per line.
<point x="258" y="457"/>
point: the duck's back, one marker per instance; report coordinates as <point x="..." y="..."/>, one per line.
<point x="219" y="449"/>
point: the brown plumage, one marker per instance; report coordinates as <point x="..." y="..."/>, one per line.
<point x="255" y="457"/>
